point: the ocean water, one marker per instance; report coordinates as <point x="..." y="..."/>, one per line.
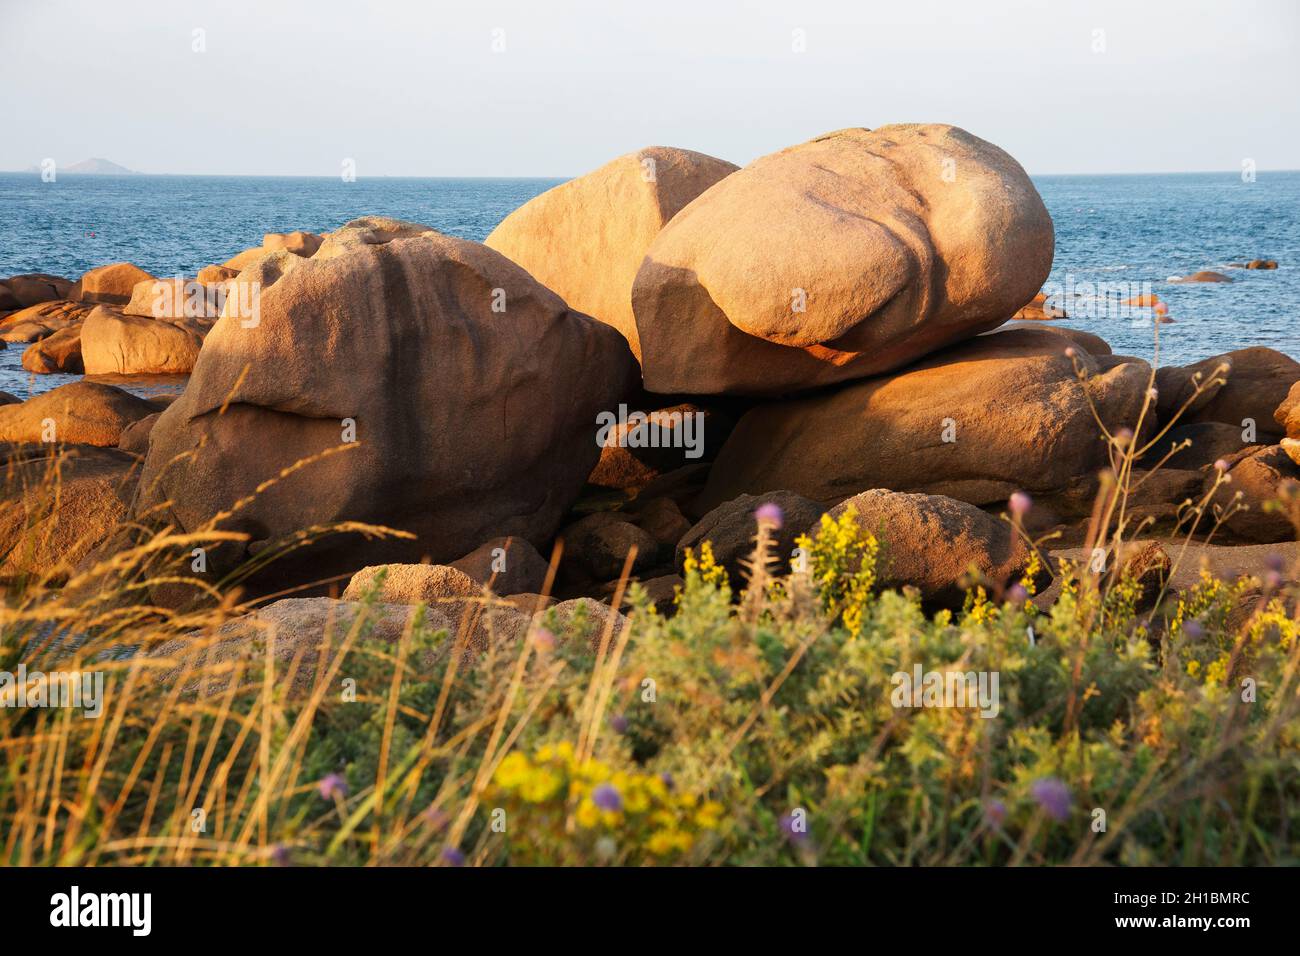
<point x="1115" y="236"/>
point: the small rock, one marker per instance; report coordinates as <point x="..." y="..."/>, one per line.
<point x="731" y="528"/>
<point x="508" y="565"/>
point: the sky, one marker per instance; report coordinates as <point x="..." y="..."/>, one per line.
<point x="556" y="88"/>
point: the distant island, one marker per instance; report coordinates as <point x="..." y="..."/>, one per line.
<point x="97" y="166"/>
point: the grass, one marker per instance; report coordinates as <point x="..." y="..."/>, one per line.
<point x="1135" y="727"/>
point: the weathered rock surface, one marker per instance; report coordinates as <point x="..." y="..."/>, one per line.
<point x="1258" y="383"/>
<point x="49" y="521"/>
<point x="731" y="527"/>
<point x="1040" y="310"/>
<point x="22" y="291"/>
<point x="1205" y="275"/>
<point x="935" y="543"/>
<point x="600" y="543"/>
<point x="413" y="584"/>
<point x="301" y="627"/>
<point x="298" y="242"/>
<point x="586" y="238"/>
<point x="997" y="414"/>
<point x="58" y="352"/>
<point x="846" y="256"/>
<point x="508" y="565"/>
<point x="662" y="519"/>
<point x="1268" y="483"/>
<point x="86" y="413"/>
<point x="135" y="437"/>
<point x="583" y="619"/>
<point x="1184" y="390"/>
<point x="1288" y="416"/>
<point x="644" y="445"/>
<point x="38" y="321"/>
<point x="468" y="422"/>
<point x="114" y="342"/>
<point x="109" y="285"/>
<point x="1210" y="441"/>
<point x="212" y="275"/>
<point x="176" y="299"/>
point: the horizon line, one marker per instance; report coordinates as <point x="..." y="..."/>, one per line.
<point x="132" y="173"/>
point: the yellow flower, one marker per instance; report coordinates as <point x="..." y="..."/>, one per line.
<point x="513" y="771"/>
<point x="706" y="817"/>
<point x="664" y="842"/>
<point x="541" y="786"/>
<point x="588" y="814"/>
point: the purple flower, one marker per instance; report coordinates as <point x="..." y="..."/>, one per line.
<point x="1274" y="562"/>
<point x="619" y="723"/>
<point x="770" y="513"/>
<point x="452" y="856"/>
<point x="1193" y="630"/>
<point x="607" y="797"/>
<point x="332" y="786"/>
<point x="280" y="855"/>
<point x="668" y="780"/>
<point x="792" y="834"/>
<point x="543" y="640"/>
<point x="437" y="818"/>
<point x="1053" y="796"/>
<point x="1020" y="503"/>
<point x="1017" y="594"/>
<point x="995" y="811"/>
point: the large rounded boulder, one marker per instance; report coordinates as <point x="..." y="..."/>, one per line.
<point x="846" y="256"/>
<point x="585" y="239"/>
<point x="1257" y="382"/>
<point x="417" y="381"/>
<point x="113" y="342"/>
<point x="978" y="421"/>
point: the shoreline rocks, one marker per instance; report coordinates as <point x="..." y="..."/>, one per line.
<point x="80" y="412"/>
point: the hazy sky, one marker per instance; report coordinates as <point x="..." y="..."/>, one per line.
<point x="417" y="88"/>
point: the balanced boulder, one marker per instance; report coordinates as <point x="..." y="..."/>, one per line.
<point x="1000" y="413"/>
<point x="418" y="382"/>
<point x="585" y="239"/>
<point x="846" y="256"/>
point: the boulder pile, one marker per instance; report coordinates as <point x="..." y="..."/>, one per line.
<point x="646" y="358"/>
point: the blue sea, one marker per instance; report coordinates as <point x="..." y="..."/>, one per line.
<point x="1114" y="234"/>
